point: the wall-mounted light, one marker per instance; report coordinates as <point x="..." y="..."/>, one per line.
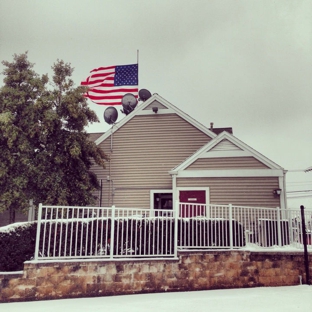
<point x="308" y="169"/>
<point x="277" y="192"/>
<point x="155" y="109"/>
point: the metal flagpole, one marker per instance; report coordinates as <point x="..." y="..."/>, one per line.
<point x="138" y="66"/>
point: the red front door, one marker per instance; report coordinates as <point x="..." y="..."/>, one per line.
<point x="192" y="203"/>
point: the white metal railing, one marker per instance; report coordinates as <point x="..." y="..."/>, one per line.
<point x="228" y="226"/>
<point x="107" y="232"/>
<point x="295" y="227"/>
<point x="96" y="232"/>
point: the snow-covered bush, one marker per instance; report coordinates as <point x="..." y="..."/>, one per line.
<point x="17" y="244"/>
<point x="92" y="237"/>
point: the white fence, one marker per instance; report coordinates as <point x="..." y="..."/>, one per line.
<point x="228" y="226"/>
<point x="96" y="232"/>
<point x="99" y="232"/>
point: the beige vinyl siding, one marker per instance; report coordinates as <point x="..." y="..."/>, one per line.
<point x="144" y="150"/>
<point x="226" y="163"/>
<point x="5" y="217"/>
<point x="94" y="136"/>
<point x="244" y="191"/>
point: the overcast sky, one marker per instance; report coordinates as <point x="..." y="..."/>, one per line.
<point x="246" y="64"/>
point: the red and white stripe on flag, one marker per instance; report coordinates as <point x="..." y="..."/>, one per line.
<point x="107" y="85"/>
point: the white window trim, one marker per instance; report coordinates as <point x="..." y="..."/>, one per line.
<point x="152" y="192"/>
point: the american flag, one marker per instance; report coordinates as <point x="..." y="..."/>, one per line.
<point x="107" y="85"/>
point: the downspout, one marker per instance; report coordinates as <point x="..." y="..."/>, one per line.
<point x="175" y="206"/>
<point x="284" y="188"/>
<point x="111" y="184"/>
<point x="101" y="186"/>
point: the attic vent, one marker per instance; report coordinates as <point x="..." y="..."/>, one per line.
<point x="155" y="104"/>
<point x="225" y="145"/>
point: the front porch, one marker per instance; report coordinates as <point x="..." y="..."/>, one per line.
<point x="116" y="233"/>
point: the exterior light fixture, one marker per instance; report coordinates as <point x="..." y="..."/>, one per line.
<point x="277" y="192"/>
<point x="308" y="169"/>
<point x="155" y="109"/>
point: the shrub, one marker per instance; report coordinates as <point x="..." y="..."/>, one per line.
<point x="209" y="232"/>
<point x="91" y="237"/>
<point x="16" y="246"/>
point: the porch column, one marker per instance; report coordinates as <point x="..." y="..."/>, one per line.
<point x="282" y="186"/>
<point x="174" y="188"/>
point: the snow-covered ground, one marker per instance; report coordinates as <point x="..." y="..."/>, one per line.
<point x="264" y="299"/>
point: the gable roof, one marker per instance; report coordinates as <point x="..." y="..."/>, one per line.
<point x="225" y="145"/>
<point x="163" y="107"/>
<point x="220" y="130"/>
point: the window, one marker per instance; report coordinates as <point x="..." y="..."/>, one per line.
<point x="161" y="199"/>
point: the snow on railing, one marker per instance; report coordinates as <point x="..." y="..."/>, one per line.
<point x="65" y="232"/>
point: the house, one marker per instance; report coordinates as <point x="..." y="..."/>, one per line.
<point x="158" y="154"/>
<point x="5" y="217"/>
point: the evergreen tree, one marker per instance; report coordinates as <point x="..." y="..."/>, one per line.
<point x="45" y="152"/>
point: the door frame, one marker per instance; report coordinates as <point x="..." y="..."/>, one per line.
<point x="194" y="188"/>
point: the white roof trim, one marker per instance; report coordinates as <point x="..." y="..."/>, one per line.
<point x="171" y="109"/>
<point x="202" y="153"/>
<point x="230" y="173"/>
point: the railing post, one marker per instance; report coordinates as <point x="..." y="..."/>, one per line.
<point x="279" y="232"/>
<point x="231" y="225"/>
<point x="305" y="249"/>
<point x="31" y="211"/>
<point x="287" y="216"/>
<point x="112" y="237"/>
<point x="176" y="215"/>
<point x="38" y="232"/>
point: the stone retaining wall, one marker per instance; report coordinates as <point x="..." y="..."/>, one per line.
<point x="192" y="271"/>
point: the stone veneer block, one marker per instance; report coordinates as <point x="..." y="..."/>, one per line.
<point x="192" y="271"/>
